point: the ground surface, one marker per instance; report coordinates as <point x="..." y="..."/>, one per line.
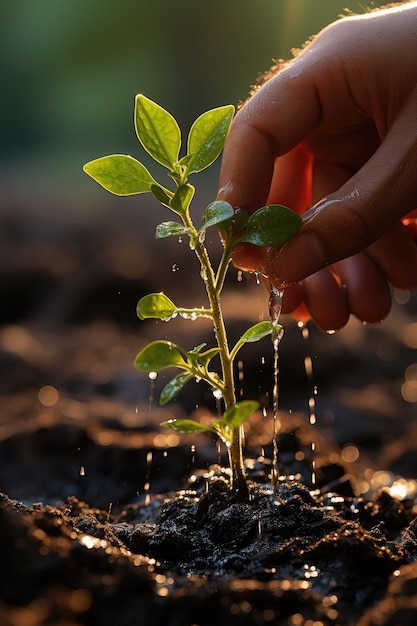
<point x="85" y="471"/>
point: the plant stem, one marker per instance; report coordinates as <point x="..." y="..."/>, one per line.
<point x="223" y="265"/>
<point x="239" y="484"/>
<point x="213" y="287"/>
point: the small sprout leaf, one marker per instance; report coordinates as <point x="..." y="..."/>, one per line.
<point x="237" y="413"/>
<point x="185" y="161"/>
<point x="257" y="332"/>
<point x="172" y="389"/>
<point x="207" y="136"/>
<point x="186" y="426"/>
<point x="271" y="225"/>
<point x="159" y="355"/>
<point x="155" y="305"/>
<point x="216" y="213"/>
<point x="198" y="348"/>
<point x="181" y="200"/>
<point x="203" y="358"/>
<point x="170" y="229"/>
<point x="120" y="174"/>
<point x="157" y="131"/>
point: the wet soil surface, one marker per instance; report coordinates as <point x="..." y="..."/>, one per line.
<point x="294" y="555"/>
<point x="106" y="520"/>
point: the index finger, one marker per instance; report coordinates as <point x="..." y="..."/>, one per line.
<point x="275" y="120"/>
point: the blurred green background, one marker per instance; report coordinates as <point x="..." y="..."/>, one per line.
<point x="70" y="71"/>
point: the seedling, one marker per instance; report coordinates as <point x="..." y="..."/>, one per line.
<point x="271" y="225"/>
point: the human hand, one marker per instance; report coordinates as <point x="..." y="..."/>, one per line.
<point x="336" y="128"/>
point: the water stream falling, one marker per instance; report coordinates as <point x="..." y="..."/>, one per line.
<point x="308" y="366"/>
<point x="152" y="377"/>
<point x="147" y="485"/>
<point x="275" y="306"/>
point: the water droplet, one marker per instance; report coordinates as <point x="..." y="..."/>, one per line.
<point x="219" y="451"/>
<point x="239" y="276"/>
<point x="180" y="239"/>
<point x="193" y="450"/>
<point x="152" y="377"/>
<point x="189" y="316"/>
<point x="241" y="376"/>
<point x="259" y="528"/>
<point x="174" y="267"/>
<point x="217" y="394"/>
<point x="203" y="273"/>
<point x="169" y="318"/>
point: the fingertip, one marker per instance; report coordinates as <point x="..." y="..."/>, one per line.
<point x="367" y="290"/>
<point x="301" y="314"/>
<point x="292" y="298"/>
<point x="296" y="259"/>
<point x="326" y="301"/>
<point x="248" y="257"/>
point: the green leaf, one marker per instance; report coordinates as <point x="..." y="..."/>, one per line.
<point x="157" y="131"/>
<point x="235" y="225"/>
<point x="182" y="198"/>
<point x="254" y="333"/>
<point x="257" y="332"/>
<point x="271" y="225"/>
<point x="172" y="389"/>
<point x="237" y="413"/>
<point x="170" y="229"/>
<point x="163" y="196"/>
<point x="207" y="136"/>
<point x="159" y="355"/>
<point x="216" y="213"/>
<point x="187" y="426"/>
<point x="155" y="305"/>
<point x="120" y="174"/>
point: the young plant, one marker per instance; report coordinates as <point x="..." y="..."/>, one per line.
<point x="271" y="225"/>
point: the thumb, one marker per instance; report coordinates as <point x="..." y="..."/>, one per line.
<point x="360" y="212"/>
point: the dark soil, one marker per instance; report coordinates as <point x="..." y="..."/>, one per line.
<point x="106" y="520"/>
<point x="196" y="555"/>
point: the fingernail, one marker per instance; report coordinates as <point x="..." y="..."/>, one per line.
<point x="296" y="259"/>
